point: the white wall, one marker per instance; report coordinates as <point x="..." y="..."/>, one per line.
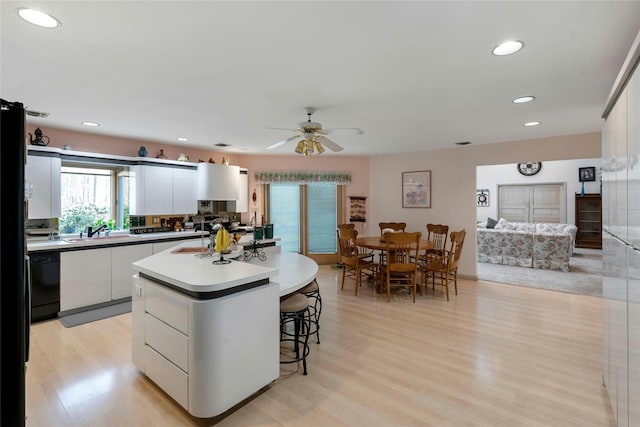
<point x="453" y="176"/>
<point x="559" y="171"/>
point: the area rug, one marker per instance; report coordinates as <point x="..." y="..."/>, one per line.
<point x="96" y="314"/>
<point x="584" y="277"/>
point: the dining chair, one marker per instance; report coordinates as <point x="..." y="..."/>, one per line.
<point x="353" y="259"/>
<point x="437" y="233"/>
<point x="401" y="268"/>
<point x="443" y="268"/>
<point x="366" y="254"/>
<point x="394" y="227"/>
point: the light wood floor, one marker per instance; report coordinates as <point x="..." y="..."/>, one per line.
<point x="495" y="355"/>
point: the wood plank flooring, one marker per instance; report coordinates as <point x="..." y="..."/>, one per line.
<point x="495" y="355"/>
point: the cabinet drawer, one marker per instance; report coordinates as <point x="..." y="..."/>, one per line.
<point x="167" y="376"/>
<point x="167" y="341"/>
<point x="168" y="306"/>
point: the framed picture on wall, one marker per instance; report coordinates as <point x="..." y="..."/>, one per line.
<point x="416" y="189"/>
<point x="587" y="174"/>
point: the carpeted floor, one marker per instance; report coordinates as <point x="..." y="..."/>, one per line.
<point x="585" y="277"/>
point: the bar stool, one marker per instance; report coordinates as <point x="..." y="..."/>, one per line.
<point x="312" y="291"/>
<point x="294" y="311"/>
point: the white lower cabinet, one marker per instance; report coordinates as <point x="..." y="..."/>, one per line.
<point x="95" y="276"/>
<point x="207" y="354"/>
<point x="121" y="271"/>
<point x="85" y="278"/>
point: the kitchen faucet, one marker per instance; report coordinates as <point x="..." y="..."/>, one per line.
<point x="91" y="232"/>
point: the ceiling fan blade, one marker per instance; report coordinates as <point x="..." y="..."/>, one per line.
<point x="291" y="130"/>
<point x="343" y="131"/>
<point x="284" y="141"/>
<point x="329" y="143"/>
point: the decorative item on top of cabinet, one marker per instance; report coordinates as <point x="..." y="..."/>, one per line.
<point x="183" y="157"/>
<point x="225" y="161"/>
<point x="142" y="152"/>
<point x="161" y="155"/>
<point x="589" y="221"/>
<point x="211" y="160"/>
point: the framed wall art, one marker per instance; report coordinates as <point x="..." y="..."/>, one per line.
<point x="358" y="209"/>
<point x="587" y="174"/>
<point x="416" y="189"/>
<point x="482" y="197"/>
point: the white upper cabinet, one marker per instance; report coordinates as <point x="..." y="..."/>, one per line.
<point x="633" y="144"/>
<point x="218" y="182"/>
<point x="43" y="173"/>
<point x="185" y="182"/>
<point x="163" y="190"/>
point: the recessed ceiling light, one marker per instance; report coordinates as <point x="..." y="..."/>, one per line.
<point x="523" y="99"/>
<point x="463" y="143"/>
<point x="181" y="139"/>
<point x="532" y="124"/>
<point x="507" y="48"/>
<point x="91" y="124"/>
<point x="38" y="18"/>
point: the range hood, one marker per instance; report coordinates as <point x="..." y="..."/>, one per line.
<point x="218" y="182"/>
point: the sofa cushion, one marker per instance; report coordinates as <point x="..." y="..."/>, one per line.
<point x="501" y="225"/>
<point x="491" y="223"/>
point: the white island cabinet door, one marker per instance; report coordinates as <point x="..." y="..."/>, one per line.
<point x="121" y="271"/>
<point x="85" y="278"/>
<point x="185" y="186"/>
<point x="43" y="173"/>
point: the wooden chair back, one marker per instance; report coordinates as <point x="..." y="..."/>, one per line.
<point x="395" y="226"/>
<point x="400" y="247"/>
<point x="401" y="263"/>
<point x="347" y="246"/>
<point x="455" y="249"/>
<point x="437" y="233"/>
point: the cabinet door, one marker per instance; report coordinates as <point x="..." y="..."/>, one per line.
<point x="44" y="174"/>
<point x="153" y="193"/>
<point x="634" y="335"/>
<point x="121" y="271"/>
<point x="633" y="154"/>
<point x="85" y="278"/>
<point x="622" y="168"/>
<point x="185" y="182"/>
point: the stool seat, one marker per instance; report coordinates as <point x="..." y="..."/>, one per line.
<point x="294" y="311"/>
<point x="311" y="287"/>
<point x="294" y="304"/>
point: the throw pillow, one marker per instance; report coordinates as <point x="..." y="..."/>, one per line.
<point x="502" y="224"/>
<point x="491" y="222"/>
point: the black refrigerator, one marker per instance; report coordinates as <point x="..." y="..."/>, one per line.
<point x="14" y="284"/>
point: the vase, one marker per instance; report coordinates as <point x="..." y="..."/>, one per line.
<point x="142" y="152"/>
<point x="161" y="155"/>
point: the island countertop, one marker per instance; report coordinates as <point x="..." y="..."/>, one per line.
<point x="199" y="276"/>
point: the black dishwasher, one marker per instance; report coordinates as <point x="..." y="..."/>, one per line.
<point x="45" y="285"/>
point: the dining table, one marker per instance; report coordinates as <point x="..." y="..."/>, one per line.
<point x="376" y="243"/>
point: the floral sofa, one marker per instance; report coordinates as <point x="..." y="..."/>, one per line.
<point x="542" y="245"/>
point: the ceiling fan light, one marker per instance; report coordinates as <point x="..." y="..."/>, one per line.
<point x="318" y="147"/>
<point x="300" y="147"/>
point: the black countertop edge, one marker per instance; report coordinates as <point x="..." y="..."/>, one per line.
<point x="210" y="294"/>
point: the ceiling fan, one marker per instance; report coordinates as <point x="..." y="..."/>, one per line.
<point x="313" y="137"/>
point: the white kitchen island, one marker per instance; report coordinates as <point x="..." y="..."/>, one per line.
<point x="208" y="334"/>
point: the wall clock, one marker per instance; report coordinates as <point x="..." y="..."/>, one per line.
<point x="529" y="168"/>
